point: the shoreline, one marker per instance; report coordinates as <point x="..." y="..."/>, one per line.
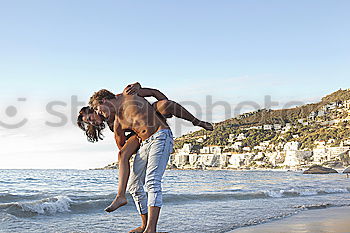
<point x="333" y="219"/>
<point x="339" y="170"/>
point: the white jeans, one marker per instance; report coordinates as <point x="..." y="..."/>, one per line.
<point x="148" y="169"/>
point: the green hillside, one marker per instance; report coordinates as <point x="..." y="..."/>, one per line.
<point x="306" y="134"/>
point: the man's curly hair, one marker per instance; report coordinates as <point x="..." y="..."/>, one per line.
<point x="92" y="132"/>
<point x="98" y="96"/>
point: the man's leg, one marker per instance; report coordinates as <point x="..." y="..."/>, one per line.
<point x="158" y="156"/>
<point x="153" y="215"/>
<point x="135" y="188"/>
<point x="140" y="229"/>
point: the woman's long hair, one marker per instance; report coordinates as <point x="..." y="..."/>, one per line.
<point x="92" y="132"/>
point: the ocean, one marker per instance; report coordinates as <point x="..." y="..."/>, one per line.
<point x="194" y="200"/>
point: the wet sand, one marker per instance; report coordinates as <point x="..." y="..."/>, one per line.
<point x="333" y="220"/>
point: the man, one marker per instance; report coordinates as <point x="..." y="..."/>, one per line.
<point x="134" y="113"/>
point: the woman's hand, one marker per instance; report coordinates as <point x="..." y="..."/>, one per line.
<point x="132" y="89"/>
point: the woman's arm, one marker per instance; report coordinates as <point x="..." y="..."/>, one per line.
<point x="136" y="88"/>
<point x="149" y="92"/>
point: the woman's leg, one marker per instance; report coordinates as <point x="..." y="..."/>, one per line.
<point x="168" y="108"/>
<point x="131" y="146"/>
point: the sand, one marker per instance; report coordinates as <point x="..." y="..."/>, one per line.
<point x="331" y="220"/>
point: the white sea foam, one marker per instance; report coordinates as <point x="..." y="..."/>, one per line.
<point x="307" y="192"/>
<point x="49" y="206"/>
<point x="337" y="190"/>
<point x="271" y="193"/>
<point x="303" y="192"/>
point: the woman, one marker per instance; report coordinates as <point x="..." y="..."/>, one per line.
<point x="93" y="123"/>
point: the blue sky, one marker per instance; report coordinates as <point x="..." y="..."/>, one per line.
<point x="231" y="50"/>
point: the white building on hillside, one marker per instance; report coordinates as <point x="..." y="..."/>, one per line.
<point x="212" y="149"/>
<point x="320" y="155"/>
<point x="293" y="146"/>
<point x="346" y="104"/>
<point x="345" y="142"/>
<point x="268" y="127"/>
<point x="324" y="154"/>
<point x="239" y="160"/>
<point x="237" y="145"/>
<point x="231" y="137"/>
<point x="296" y="157"/>
<point x="241" y="136"/>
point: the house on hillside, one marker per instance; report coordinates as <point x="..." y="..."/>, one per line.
<point x="296" y="157"/>
<point x="345" y="142"/>
<point x="325" y="154"/>
<point x="346" y="104"/>
<point x="241" y="136"/>
<point x="239" y="160"/>
<point x="320" y="143"/>
<point x="291" y="146"/>
<point x="237" y="145"/>
<point x="268" y="127"/>
<point x="212" y="149"/>
<point x="231" y="137"/>
<point x="320" y="155"/>
<point x="312" y="115"/>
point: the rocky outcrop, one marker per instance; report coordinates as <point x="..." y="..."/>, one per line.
<point x="109" y="166"/>
<point x="317" y="169"/>
<point x="347" y="170"/>
<point x="333" y="164"/>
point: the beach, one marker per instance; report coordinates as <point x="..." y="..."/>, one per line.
<point x="335" y="220"/>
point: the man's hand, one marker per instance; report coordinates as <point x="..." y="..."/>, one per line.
<point x="132" y="89"/>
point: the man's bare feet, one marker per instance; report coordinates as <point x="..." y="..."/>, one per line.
<point x="117" y="202"/>
<point x="138" y="230"/>
<point x="205" y="125"/>
<point x="148" y="231"/>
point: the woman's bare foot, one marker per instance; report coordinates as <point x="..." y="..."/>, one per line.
<point x="117" y="202"/>
<point x="138" y="230"/>
<point x="205" y="125"/>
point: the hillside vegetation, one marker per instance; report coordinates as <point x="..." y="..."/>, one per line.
<point x="305" y="134"/>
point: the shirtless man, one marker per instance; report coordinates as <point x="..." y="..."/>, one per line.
<point x="93" y="124"/>
<point x="134" y="113"/>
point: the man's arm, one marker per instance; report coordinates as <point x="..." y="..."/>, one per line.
<point x="119" y="134"/>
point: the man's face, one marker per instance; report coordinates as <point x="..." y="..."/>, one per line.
<point x="93" y="118"/>
<point x="102" y="109"/>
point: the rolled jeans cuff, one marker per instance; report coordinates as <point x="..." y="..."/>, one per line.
<point x="155" y="199"/>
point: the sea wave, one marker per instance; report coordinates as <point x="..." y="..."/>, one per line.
<point x="9" y="197"/>
<point x="304" y="192"/>
<point x="84" y="204"/>
<point x="316" y="206"/>
<point x="47" y="206"/>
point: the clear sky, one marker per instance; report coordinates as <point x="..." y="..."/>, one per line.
<point x="232" y="51"/>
